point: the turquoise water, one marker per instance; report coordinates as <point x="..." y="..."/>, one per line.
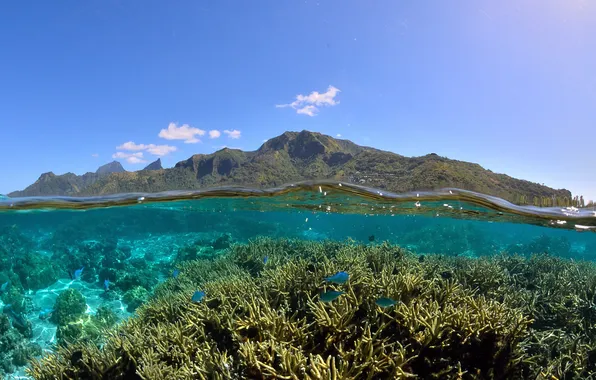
<point x="135" y="241"/>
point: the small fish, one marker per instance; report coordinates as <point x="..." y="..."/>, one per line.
<point x="77" y="273"/>
<point x="385" y="302"/>
<point x="371" y="238"/>
<point x="4" y="286"/>
<point x="330" y="295"/>
<point x="45" y="314"/>
<point x="175" y="273"/>
<point x="265" y="259"/>
<point x="106" y="284"/>
<point x="198" y="296"/>
<point x="421" y="258"/>
<point x="338" y="278"/>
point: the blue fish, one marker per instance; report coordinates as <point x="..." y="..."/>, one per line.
<point x="106" y="284"/>
<point x="385" y="302"/>
<point x="175" y="273"/>
<point x="4" y="286"/>
<point x="265" y="259"/>
<point x="338" y="278"/>
<point x="78" y="273"/>
<point x="198" y="296"/>
<point x="45" y="313"/>
<point x="330" y="295"/>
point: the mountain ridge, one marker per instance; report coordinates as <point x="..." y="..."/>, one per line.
<point x="297" y="156"/>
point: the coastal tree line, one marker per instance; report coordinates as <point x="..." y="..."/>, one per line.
<point x="552" y="201"/>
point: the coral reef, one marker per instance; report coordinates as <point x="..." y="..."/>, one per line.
<point x="15" y="350"/>
<point x="74" y="324"/>
<point x="448" y="238"/>
<point x="89" y="329"/>
<point x="499" y="317"/>
<point x="557" y="246"/>
<point x="35" y="271"/>
<point x="135" y="297"/>
<point x="70" y="307"/>
<point x="203" y="249"/>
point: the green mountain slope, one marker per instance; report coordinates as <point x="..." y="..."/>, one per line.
<point x="68" y="184"/>
<point x="298" y="156"/>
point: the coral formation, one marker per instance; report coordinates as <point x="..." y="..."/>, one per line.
<point x="135" y="297"/>
<point x="500" y="317"/>
<point x="90" y="329"/>
<point x="555" y="246"/>
<point x="15" y="350"/>
<point x="70" y="307"/>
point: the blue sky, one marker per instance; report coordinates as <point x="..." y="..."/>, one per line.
<point x="509" y="84"/>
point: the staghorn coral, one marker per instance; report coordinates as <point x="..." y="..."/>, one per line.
<point x="495" y="317"/>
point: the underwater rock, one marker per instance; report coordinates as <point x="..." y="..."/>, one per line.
<point x="116" y="258"/>
<point x="24" y="353"/>
<point x="4" y="324"/>
<point x="105" y="317"/>
<point x="70" y="306"/>
<point x="36" y="271"/>
<point x="198" y="250"/>
<point x="87" y="329"/>
<point x="135" y="297"/>
<point x="554" y="246"/>
<point x="222" y="242"/>
<point x="13" y="243"/>
<point x="132" y="278"/>
<point x="15" y="350"/>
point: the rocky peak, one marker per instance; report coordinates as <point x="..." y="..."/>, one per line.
<point x="112" y="167"/>
<point x="155" y="165"/>
<point x="46" y="176"/>
<point x="306" y="144"/>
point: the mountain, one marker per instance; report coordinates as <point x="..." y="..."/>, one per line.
<point x="68" y="184"/>
<point x="298" y="156"/>
<point x="112" y="167"/>
<point x="155" y="165"/>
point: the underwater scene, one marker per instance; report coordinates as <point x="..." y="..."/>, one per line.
<point x="309" y="281"/>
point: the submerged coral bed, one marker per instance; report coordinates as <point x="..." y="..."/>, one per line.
<point x="263" y="316"/>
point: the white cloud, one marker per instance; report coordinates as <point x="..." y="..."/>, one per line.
<point x="160" y="150"/>
<point x="156" y="150"/>
<point x="309" y="104"/>
<point x="184" y="132"/>
<point x="233" y="134"/>
<point x="95" y="155"/>
<point x="307" y="110"/>
<point x="131" y="146"/>
<point x="214" y="133"/>
<point x="131" y="158"/>
<point x="338" y="135"/>
<point x="135" y="160"/>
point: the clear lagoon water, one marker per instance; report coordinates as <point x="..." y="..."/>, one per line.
<point x="136" y="242"/>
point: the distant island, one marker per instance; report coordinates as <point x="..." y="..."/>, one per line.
<point x="300" y="156"/>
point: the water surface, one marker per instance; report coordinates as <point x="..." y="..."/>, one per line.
<point x="135" y="240"/>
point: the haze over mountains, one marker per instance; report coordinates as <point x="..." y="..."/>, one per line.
<point x="291" y="157"/>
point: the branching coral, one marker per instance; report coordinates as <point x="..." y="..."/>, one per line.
<point x="500" y="317"/>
